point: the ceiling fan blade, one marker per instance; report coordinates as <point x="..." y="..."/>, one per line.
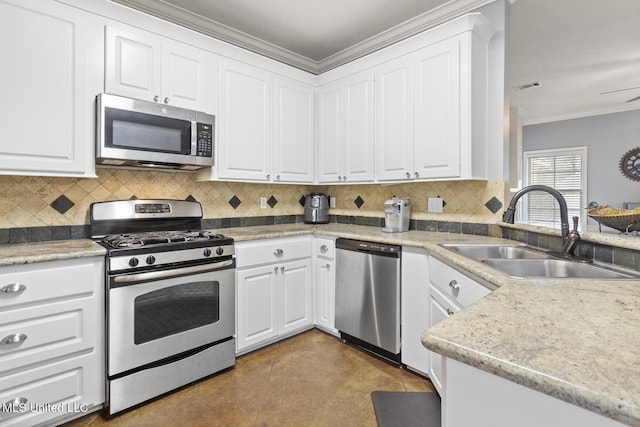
<point x="634" y="99"/>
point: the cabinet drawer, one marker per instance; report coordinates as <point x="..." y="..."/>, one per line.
<point x="33" y="283"/>
<point x="48" y="392"/>
<point x="272" y="251"/>
<point x="47" y="331"/>
<point x="325" y="247"/>
<point x="454" y="284"/>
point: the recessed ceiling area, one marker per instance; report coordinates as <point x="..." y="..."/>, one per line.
<point x="583" y="54"/>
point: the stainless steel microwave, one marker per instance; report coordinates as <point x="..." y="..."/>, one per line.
<point x="134" y="133"/>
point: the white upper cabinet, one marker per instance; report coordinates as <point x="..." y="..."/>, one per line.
<point x="52" y="70"/>
<point x="431" y="110"/>
<point x="345" y="130"/>
<point x="437" y="144"/>
<point x="265" y="126"/>
<point x="143" y="65"/>
<point x="293" y="139"/>
<point x="394" y="120"/>
<point x="244" y="122"/>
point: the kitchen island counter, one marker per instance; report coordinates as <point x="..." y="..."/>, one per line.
<point x="573" y="339"/>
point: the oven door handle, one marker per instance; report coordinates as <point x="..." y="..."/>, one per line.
<point x="155" y="275"/>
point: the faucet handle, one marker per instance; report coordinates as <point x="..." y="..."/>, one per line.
<point x="575" y="224"/>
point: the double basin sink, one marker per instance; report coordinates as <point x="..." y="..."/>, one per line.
<point x="527" y="262"/>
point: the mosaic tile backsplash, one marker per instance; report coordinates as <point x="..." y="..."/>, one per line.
<point x="46" y="201"/>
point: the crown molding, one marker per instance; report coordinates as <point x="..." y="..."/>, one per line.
<point x="209" y="27"/>
<point x="612" y="109"/>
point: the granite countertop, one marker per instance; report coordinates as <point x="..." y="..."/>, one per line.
<point x="27" y="253"/>
<point x="573" y="339"/>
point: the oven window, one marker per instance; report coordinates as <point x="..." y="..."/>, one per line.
<point x="175" y="309"/>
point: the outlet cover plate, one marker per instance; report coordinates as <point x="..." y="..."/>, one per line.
<point x="434" y="204"/>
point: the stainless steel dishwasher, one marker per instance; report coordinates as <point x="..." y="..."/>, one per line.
<point x="368" y="296"/>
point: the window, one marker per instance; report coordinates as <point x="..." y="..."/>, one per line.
<point x="563" y="169"/>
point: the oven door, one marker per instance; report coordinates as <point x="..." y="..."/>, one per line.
<point x="156" y="315"/>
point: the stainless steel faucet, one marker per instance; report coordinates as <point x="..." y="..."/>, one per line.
<point x="568" y="244"/>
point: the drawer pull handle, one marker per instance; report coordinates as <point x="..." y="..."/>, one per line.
<point x="278" y="252"/>
<point x="324" y="248"/>
<point x="450" y="312"/>
<point x="13" y="339"/>
<point x="13" y="288"/>
<point x="14" y="405"/>
<point x="454" y="285"/>
<point x="328" y="266"/>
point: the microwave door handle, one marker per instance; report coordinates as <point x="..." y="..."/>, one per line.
<point x="165" y="274"/>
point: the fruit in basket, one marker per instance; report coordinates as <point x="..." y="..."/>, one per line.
<point x="606" y="210"/>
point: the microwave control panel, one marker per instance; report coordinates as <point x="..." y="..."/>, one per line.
<point x="204" y="140"/>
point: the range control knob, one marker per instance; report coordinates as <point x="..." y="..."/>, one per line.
<point x="151" y="259"/>
<point x="206" y="252"/>
<point x="219" y="250"/>
<point x="133" y="262"/>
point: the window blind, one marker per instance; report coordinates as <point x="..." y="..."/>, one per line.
<point x="563" y="171"/>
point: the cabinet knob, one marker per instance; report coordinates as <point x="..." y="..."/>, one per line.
<point x="275" y="269"/>
<point x="166" y="100"/>
<point x="278" y="252"/>
<point x="324" y="248"/>
<point x="417" y="175"/>
<point x="282" y="268"/>
<point x="14" y="405"/>
<point x="13" y="339"/>
<point x="13" y="288"/>
<point x="339" y="178"/>
<point x="268" y="177"/>
<point x="450" y="312"/>
<point x="156" y="98"/>
<point x="408" y="175"/>
<point x="328" y="266"/>
<point x="344" y="178"/>
<point x="277" y="177"/>
<point x="454" y="285"/>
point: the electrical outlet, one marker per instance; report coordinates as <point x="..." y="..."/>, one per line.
<point x="263" y="202"/>
<point x="434" y="204"/>
<point x="332" y="202"/>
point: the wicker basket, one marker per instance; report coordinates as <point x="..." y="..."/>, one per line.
<point x="619" y="219"/>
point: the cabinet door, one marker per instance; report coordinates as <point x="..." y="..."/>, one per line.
<point x="188" y="77"/>
<point x="297" y="296"/>
<point x="132" y="64"/>
<point x="51" y="71"/>
<point x="326" y="295"/>
<point x="329" y="149"/>
<point x="244" y="122"/>
<point x="257" y="301"/>
<point x="394" y="120"/>
<point x="440" y="307"/>
<point x="437" y="110"/>
<point x="357" y="125"/>
<point x="414" y="308"/>
<point x="293" y="140"/>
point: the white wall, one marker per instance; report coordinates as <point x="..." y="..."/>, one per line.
<point x="608" y="137"/>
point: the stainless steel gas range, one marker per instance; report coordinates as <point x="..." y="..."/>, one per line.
<point x="170" y="298"/>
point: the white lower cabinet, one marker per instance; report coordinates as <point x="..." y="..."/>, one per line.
<point x="449" y="291"/>
<point x="325" y="291"/>
<point x="273" y="290"/>
<point x="415" y="315"/>
<point x="473" y="397"/>
<point x="51" y="341"/>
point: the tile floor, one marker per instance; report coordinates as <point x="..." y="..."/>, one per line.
<point x="312" y="379"/>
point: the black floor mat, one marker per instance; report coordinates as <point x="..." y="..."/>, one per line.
<point x="406" y="409"/>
